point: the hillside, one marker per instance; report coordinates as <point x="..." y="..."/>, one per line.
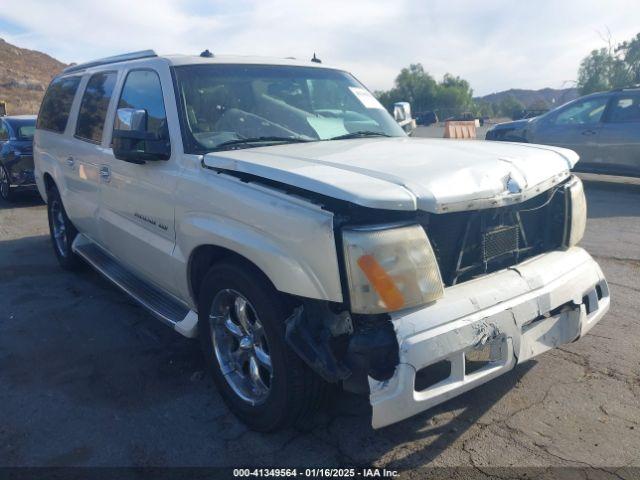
<point x="544" y="98"/>
<point x="24" y="76"/>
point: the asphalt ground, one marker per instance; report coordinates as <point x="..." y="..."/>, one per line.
<point x="88" y="378"/>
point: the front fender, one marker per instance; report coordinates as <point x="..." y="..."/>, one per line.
<point x="290" y="240"/>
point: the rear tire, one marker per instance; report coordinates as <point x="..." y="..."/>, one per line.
<point x="5" y="184"/>
<point x="62" y="231"/>
<point x="288" y="393"/>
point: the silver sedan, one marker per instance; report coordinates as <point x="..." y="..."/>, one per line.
<point x="603" y="128"/>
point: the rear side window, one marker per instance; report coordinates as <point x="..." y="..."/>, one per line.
<point x="142" y="90"/>
<point x="54" y="111"/>
<point x="93" y="109"/>
<point x="25" y="132"/>
<point x="625" y="109"/>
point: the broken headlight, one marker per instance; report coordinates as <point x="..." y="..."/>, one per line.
<point x="390" y="268"/>
<point x="576" y="218"/>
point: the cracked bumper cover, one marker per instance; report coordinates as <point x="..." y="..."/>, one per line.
<point x="525" y="310"/>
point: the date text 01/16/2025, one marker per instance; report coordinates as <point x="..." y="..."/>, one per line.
<point x="316" y="472"/>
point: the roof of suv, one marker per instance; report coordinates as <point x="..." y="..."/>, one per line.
<point x="248" y="59"/>
<point x="178" y="60"/>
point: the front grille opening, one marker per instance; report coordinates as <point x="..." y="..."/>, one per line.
<point x="428" y="376"/>
<point x="471" y="244"/>
<point x="477" y="359"/>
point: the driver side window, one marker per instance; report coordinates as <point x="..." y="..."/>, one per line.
<point x="142" y="90"/>
<point x="586" y="112"/>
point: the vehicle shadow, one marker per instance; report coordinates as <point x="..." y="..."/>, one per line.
<point x="21" y="200"/>
<point x="433" y="431"/>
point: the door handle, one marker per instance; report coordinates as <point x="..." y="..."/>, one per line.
<point x="71" y="161"/>
<point x="105" y="174"/>
<point x="589" y="132"/>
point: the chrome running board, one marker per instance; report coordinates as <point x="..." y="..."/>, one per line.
<point x="161" y="304"/>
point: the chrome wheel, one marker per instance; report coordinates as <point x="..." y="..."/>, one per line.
<point x="241" y="346"/>
<point x="59" y="227"/>
<point x="4" y="183"/>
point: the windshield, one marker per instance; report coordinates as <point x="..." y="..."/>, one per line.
<point x="236" y="106"/>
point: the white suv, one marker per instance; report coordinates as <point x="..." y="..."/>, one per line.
<point x="275" y="210"/>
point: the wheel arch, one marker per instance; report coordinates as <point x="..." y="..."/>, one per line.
<point x="48" y="181"/>
<point x="203" y="257"/>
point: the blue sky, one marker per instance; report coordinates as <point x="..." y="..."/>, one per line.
<point x="495" y="44"/>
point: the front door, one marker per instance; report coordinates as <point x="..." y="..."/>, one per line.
<point x="575" y="126"/>
<point x="137" y="204"/>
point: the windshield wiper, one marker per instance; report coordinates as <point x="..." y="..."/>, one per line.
<point x="360" y="134"/>
<point x="247" y="142"/>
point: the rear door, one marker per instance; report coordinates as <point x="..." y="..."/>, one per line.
<point x="620" y="136"/>
<point x="55" y="143"/>
<point x="83" y="162"/>
<point x="576" y="126"/>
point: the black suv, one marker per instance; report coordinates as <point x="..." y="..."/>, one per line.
<point x="16" y="154"/>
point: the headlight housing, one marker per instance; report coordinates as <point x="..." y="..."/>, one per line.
<point x="576" y="212"/>
<point x="390" y="268"/>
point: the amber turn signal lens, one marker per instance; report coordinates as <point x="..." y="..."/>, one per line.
<point x="381" y="282"/>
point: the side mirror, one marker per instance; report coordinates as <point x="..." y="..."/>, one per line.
<point x="402" y="115"/>
<point x="133" y="143"/>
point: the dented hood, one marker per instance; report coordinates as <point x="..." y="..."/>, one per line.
<point x="433" y="175"/>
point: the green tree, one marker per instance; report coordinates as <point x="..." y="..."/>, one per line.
<point x="412" y="85"/>
<point x="483" y="108"/>
<point x="595" y="70"/>
<point x="609" y="67"/>
<point x="420" y="89"/>
<point x="511" y="107"/>
<point x="630" y="55"/>
<point x="454" y="94"/>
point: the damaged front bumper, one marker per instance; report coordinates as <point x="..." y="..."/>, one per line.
<point x="482" y="328"/>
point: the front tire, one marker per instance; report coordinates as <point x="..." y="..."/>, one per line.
<point x="62" y="231"/>
<point x="241" y="327"/>
<point x="5" y="184"/>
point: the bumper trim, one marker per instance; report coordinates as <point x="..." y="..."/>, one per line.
<point x="522" y="312"/>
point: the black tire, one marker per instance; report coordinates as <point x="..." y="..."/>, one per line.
<point x="5" y="185"/>
<point x="296" y="392"/>
<point x="64" y="253"/>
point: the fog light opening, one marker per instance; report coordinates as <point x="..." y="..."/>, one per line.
<point x="599" y="291"/>
<point x="430" y="375"/>
<point x="482" y="356"/>
<point x="587" y="304"/>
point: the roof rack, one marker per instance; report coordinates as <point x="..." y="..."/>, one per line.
<point x="115" y="59"/>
